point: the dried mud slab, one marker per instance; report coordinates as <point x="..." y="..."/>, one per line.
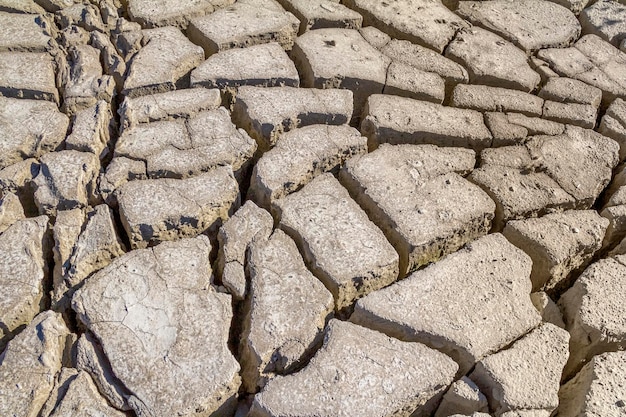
<point x="342" y="247"/>
<point x="529" y="24"/>
<point x="360" y="371"/>
<point x="415" y="194"/>
<point x="161" y="329"/>
<point x="450" y="304"/>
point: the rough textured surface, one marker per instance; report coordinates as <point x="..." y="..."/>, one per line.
<point x="416" y="309"/>
<point x="484" y="98"/>
<point x="591" y="311"/>
<point x="151" y="13"/>
<point x="491" y="60"/>
<point x="319" y="14"/>
<point x="529" y="24"/>
<point x="288" y="109"/>
<point x="598" y="389"/>
<point x="168" y="106"/>
<point x="424" y="22"/>
<point x="264" y="65"/>
<point x="29" y="128"/>
<point x="450" y="211"/>
<point x="248" y="223"/>
<point x="397" y="120"/>
<point x="185" y="208"/>
<point x="463" y="396"/>
<point x="525" y="376"/>
<point x="163" y="63"/>
<point x="341" y="58"/>
<point x="606" y="19"/>
<point x="77" y="396"/>
<point x="341" y="245"/>
<point x="592" y="61"/>
<point x="544" y="175"/>
<point x="184" y="148"/>
<point x="23" y="269"/>
<point x="29" y="364"/>
<point x="67" y="180"/>
<point x="246" y="23"/>
<point x="388" y="384"/>
<point x="613" y="125"/>
<point x="558" y="243"/>
<point x="287" y="311"/>
<point x="24" y="33"/>
<point x="183" y="323"/>
<point x="301" y="155"/>
<point x="28" y="75"/>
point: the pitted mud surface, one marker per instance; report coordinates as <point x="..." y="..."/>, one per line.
<point x="312" y="208"/>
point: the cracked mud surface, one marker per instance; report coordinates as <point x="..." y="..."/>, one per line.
<point x="322" y="208"/>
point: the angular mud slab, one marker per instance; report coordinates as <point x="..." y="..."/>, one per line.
<point x="21" y="6"/>
<point x="425" y="59"/>
<point x="407" y="81"/>
<point x="67" y="180"/>
<point x="23" y="269"/>
<point x="287" y="309"/>
<point x="582" y="115"/>
<point x="593" y="312"/>
<point x="592" y="61"/>
<point x="247" y="224"/>
<point x="341" y="58"/>
<point x="246" y="23"/>
<point x="92" y="130"/>
<point x="356" y="373"/>
<point x="266" y="113"/>
<point x="548" y="309"/>
<point x="424" y="22"/>
<point x="598" y="389"/>
<point x="154" y="211"/>
<point x="415" y="195"/>
<point x="76" y="395"/>
<point x="28" y="75"/>
<point x="607" y="19"/>
<point x="492" y="61"/>
<point x="299" y="156"/>
<point x="162" y="329"/>
<point x="168" y="106"/>
<point x="514" y="128"/>
<point x="574" y="5"/>
<point x="400" y="120"/>
<point x="154" y="13"/>
<point x="84" y="243"/>
<point x="544" y="175"/>
<point x="29" y="364"/>
<point x="119" y="172"/>
<point x="85" y="84"/>
<point x="11" y="211"/>
<point x="184" y="148"/>
<point x="343" y="248"/>
<point x="18" y="179"/>
<point x="559" y="244"/>
<point x="529" y="24"/>
<point x="525" y="376"/>
<point x="162" y="64"/>
<point x="320" y="14"/>
<point x="613" y="125"/>
<point x="452" y="303"/>
<point x="495" y="99"/>
<point x="88" y="356"/>
<point x="569" y="90"/>
<point x="464" y="396"/>
<point x="24" y="33"/>
<point x="264" y="65"/>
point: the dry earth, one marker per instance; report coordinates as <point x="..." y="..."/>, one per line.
<point x="312" y="208"/>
